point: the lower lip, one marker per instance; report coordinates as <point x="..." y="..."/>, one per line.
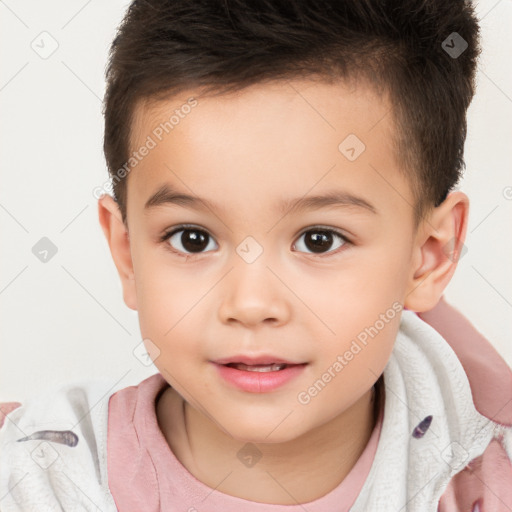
<point x="259" y="382"/>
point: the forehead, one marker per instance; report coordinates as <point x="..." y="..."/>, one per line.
<point x="270" y="142"/>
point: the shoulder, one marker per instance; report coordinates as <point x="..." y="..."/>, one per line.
<point x="58" y="404"/>
<point x="55" y="443"/>
<point x="489" y="376"/>
<point x="485" y="483"/>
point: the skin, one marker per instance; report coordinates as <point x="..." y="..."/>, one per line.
<point x="245" y="152"/>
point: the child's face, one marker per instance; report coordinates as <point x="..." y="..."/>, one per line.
<point x="259" y="285"/>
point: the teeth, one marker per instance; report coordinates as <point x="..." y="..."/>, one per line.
<point x="258" y="367"/>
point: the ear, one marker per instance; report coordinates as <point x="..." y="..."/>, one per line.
<point x="438" y="246"/>
<point x="118" y="240"/>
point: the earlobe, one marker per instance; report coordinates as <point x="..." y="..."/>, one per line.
<point x="439" y="246"/>
<point x="118" y="240"/>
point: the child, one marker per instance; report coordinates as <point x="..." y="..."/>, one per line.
<point x="310" y="150"/>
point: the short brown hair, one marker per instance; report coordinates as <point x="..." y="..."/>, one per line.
<point x="423" y="53"/>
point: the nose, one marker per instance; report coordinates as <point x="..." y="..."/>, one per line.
<point x="253" y="294"/>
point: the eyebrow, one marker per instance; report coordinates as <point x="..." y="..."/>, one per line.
<point x="166" y="195"/>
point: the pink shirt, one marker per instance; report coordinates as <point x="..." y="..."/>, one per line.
<point x="145" y="475"/>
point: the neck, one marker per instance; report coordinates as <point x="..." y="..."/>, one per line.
<point x="297" y="471"/>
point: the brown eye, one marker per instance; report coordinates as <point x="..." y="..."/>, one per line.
<point x="189" y="240"/>
<point x="320" y="241"/>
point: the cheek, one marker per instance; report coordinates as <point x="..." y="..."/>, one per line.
<point x="362" y="307"/>
<point x="167" y="308"/>
<point x="352" y="298"/>
<point x="364" y="346"/>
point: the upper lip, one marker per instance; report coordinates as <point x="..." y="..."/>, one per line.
<point x="254" y="360"/>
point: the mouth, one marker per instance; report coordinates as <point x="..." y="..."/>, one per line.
<point x="274" y="367"/>
<point x="256" y="360"/>
<point x="258" y="377"/>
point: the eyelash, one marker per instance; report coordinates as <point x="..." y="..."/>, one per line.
<point x="183" y="227"/>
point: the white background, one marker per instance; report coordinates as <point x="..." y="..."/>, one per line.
<point x="65" y="319"/>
